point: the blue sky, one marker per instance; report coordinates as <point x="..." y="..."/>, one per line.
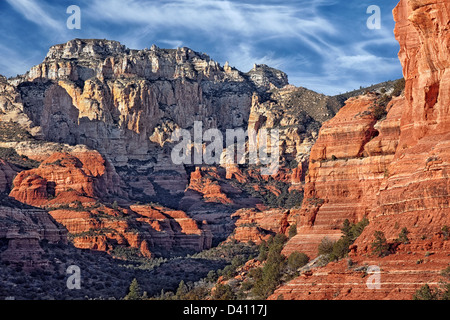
<point x="323" y="45"/>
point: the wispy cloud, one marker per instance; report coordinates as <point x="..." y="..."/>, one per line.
<point x="33" y="12"/>
<point x="323" y="45"/>
<point x="210" y="16"/>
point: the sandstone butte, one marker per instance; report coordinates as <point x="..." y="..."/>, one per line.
<point x="393" y="171"/>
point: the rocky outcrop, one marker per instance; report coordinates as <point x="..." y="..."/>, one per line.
<point x="63" y="175"/>
<point x="122" y="97"/>
<point x="142" y="229"/>
<point x="256" y="226"/>
<point x="126" y="103"/>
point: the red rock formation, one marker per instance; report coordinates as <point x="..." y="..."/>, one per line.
<point x="401" y="181"/>
<point x="255" y="225"/>
<point x="146" y="228"/>
<point x="173" y="228"/>
<point x="209" y="188"/>
<point x="85" y="174"/>
<point x="342" y="183"/>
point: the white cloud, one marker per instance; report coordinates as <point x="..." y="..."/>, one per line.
<point x="213" y="17"/>
<point x="366" y="63"/>
<point x="34" y="13"/>
<point x="173" y="44"/>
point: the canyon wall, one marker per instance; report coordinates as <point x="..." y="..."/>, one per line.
<point x="394" y="171"/>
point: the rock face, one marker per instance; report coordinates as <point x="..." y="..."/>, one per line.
<point x="347" y="166"/>
<point x="126" y="103"/>
<point x="22" y="228"/>
<point x="72" y="187"/>
<point x="86" y="175"/>
<point x="7" y="174"/>
<point x="117" y="100"/>
<point x="400" y="179"/>
<point x="256" y="226"/>
<point x="144" y="230"/>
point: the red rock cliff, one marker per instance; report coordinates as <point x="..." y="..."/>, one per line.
<point x="398" y="177"/>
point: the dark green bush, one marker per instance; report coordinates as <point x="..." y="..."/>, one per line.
<point x="297" y="260"/>
<point x="292" y="230"/>
<point x="325" y="246"/>
<point x="403" y="236"/>
<point x="379" y="244"/>
<point x="399" y="86"/>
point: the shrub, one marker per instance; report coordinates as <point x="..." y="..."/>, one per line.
<point x="293" y="230"/>
<point x="325" y="246"/>
<point x="399" y="86"/>
<point x="223" y="292"/>
<point x="379" y="111"/>
<point x="445" y="232"/>
<point x="297" y="260"/>
<point x="425" y="293"/>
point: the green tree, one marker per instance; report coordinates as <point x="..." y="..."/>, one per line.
<point x="340" y="249"/>
<point x="115" y="205"/>
<point x="346" y="228"/>
<point x="181" y="291"/>
<point x="403" y="236"/>
<point x="380" y="245"/>
<point x="273" y="268"/>
<point x="263" y="251"/>
<point x="357" y="228"/>
<point x="292" y="230"/>
<point x="134" y="291"/>
<point x="297" y="260"/>
<point x="425" y="293"/>
<point x="223" y="292"/>
<point x="211" y="276"/>
<point x="325" y="246"/>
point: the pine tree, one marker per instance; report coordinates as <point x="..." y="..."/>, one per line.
<point x="379" y="245"/>
<point x="181" y="291"/>
<point x="134" y="291"/>
<point x="425" y="293"/>
<point x="403" y="236"/>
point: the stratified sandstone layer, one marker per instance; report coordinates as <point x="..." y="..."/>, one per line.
<point x="347" y="166"/>
<point x="85" y="174"/>
<point x="22" y="228"/>
<point x="401" y="180"/>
